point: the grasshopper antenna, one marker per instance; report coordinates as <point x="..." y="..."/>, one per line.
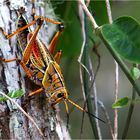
<point x="80" y="108"/>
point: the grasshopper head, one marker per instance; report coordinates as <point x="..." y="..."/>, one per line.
<point x="58" y="96"/>
<point x="62" y="93"/>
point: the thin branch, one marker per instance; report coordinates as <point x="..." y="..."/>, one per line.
<point x="100" y="103"/>
<point x="88" y="14"/>
<point x="94" y="92"/>
<point x="20" y="108"/>
<point x="87" y="2"/>
<point x="84" y="87"/>
<point x="109" y="11"/>
<point x="116" y="98"/>
<point x="82" y="83"/>
<point x="116" y="76"/>
<point x="84" y="97"/>
<point x="81" y="16"/>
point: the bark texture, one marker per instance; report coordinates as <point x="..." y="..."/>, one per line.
<point x="13" y="123"/>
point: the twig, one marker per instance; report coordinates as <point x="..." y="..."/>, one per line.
<point x="116" y="97"/>
<point x="109" y="11"/>
<point x="106" y="115"/>
<point x="87" y="2"/>
<point x="116" y="77"/>
<point x="20" y="108"/>
<point x="94" y="92"/>
<point x="88" y="14"/>
<point x="81" y="16"/>
<point x="85" y="82"/>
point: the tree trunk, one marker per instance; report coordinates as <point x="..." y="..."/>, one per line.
<point x="13" y="123"/>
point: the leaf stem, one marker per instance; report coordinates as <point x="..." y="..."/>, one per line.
<point x="131" y="108"/>
<point x="88" y="14"/>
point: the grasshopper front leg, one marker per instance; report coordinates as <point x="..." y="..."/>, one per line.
<point x="8" y="36"/>
<point x="52" y="45"/>
<point x="26" y="69"/>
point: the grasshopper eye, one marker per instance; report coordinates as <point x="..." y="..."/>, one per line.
<point x="60" y="95"/>
<point x="61" y="27"/>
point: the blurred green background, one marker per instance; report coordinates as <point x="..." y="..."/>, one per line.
<point x="70" y="43"/>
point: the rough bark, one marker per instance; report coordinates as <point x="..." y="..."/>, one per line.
<point x="13" y="123"/>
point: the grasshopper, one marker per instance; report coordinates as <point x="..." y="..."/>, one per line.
<point x="38" y="61"/>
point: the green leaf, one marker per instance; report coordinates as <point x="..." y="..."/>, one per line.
<point x="3" y="98"/>
<point x="16" y="93"/>
<point x="123" y="38"/>
<point x="135" y="72"/>
<point x="121" y="103"/>
<point x="13" y="94"/>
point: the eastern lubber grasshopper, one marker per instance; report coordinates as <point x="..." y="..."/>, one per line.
<point x="38" y="63"/>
